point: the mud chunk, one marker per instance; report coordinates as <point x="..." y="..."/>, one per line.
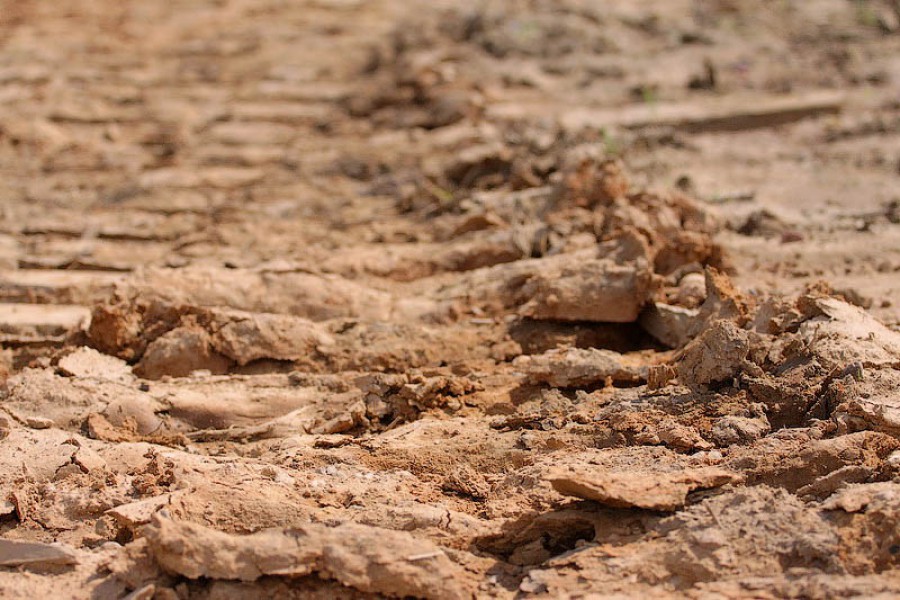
<point x="718" y="354"/>
<point x="840" y="333"/>
<point x="575" y="367"/>
<point x="793" y="459"/>
<point x="675" y="326"/>
<point x="179" y="353"/>
<point x="392" y="563"/>
<point x="366" y="558"/>
<point x="723" y="301"/>
<point x="175" y="339"/>
<point x="827" y="484"/>
<point x="691" y="290"/>
<point x="88" y="363"/>
<point x="866" y="399"/>
<point x="762" y="223"/>
<point x="679" y="437"/>
<point x="195" y="551"/>
<point x="39" y="422"/>
<point x="651" y="491"/>
<point x="308" y="295"/>
<point x="34" y="323"/>
<point x="739" y="430"/>
<point x="133" y="514"/>
<point x="593" y="290"/>
<point x="68" y="402"/>
<point x="123" y="326"/>
<point x="775" y="316"/>
<point x="17" y="554"/>
<point x="659" y="376"/>
<point x="859" y="498"/>
<point x="404" y="396"/>
<point x="98" y="427"/>
<point x="671" y="325"/>
<point x="591" y="183"/>
<point x="723" y="535"/>
<point x="861" y="355"/>
<point x="280" y="337"/>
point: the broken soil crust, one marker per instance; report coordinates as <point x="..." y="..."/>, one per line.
<point x="396" y="320"/>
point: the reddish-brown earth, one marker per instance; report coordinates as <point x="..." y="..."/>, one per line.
<point x="371" y="298"/>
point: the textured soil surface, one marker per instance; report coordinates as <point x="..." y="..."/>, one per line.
<point x="374" y="298"/>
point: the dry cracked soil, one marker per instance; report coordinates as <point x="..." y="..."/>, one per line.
<point x="509" y="299"/>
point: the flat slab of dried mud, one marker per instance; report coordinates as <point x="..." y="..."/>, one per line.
<point x="361" y="298"/>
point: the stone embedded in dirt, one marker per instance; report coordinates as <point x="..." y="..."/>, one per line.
<point x="664" y="491"/>
<point x="243" y="409"/>
<point x="23" y="554"/>
<point x="369" y="559"/>
<point x="577" y="367"/>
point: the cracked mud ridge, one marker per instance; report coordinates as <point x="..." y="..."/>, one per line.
<point x="372" y="298"/>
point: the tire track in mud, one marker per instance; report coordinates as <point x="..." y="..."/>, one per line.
<point x="334" y="322"/>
